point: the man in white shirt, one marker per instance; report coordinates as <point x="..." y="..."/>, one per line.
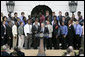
<point x="28" y="34"/>
<point x="14" y="32"/>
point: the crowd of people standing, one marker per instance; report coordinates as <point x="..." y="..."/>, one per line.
<point x="63" y="31"/>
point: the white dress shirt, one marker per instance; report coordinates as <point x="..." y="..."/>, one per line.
<point x="28" y="29"/>
<point x="14" y="30"/>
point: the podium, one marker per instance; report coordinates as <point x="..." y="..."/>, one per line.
<point x="41" y="51"/>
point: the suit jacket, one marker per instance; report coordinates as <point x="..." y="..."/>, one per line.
<point x="67" y="19"/>
<point x="34" y="29"/>
<point x="45" y="30"/>
<point x="56" y="29"/>
<point x="2" y="30"/>
<point x="50" y="18"/>
<point x="15" y="19"/>
<point x="20" y="30"/>
<point x="9" y="31"/>
<point x="71" y="31"/>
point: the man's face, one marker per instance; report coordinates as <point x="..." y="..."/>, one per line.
<point x="22" y="24"/>
<point x="77" y="22"/>
<point x="42" y="25"/>
<point x="36" y="22"/>
<point x="53" y="14"/>
<point x="54" y="18"/>
<point x="63" y="18"/>
<point x="60" y="13"/>
<point x="23" y="14"/>
<point x="29" y="22"/>
<point x="9" y="15"/>
<point x="5" y="19"/>
<point x="16" y="15"/>
<point x="48" y="22"/>
<point x="62" y="23"/>
<point x="47" y="13"/>
<point x="78" y="14"/>
<point x="10" y="23"/>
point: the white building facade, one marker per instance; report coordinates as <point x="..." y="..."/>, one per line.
<point x="56" y="6"/>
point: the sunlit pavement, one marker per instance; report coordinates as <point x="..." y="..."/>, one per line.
<point x="32" y="52"/>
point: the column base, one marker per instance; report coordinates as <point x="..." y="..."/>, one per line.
<point x="39" y="54"/>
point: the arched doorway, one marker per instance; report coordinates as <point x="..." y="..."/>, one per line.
<point x="40" y="8"/>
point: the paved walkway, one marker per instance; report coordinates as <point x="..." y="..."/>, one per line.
<point x="32" y="52"/>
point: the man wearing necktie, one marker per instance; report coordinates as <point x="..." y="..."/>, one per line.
<point x="78" y="34"/>
<point x="64" y="32"/>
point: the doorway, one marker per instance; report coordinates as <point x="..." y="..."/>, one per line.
<point x="40" y="9"/>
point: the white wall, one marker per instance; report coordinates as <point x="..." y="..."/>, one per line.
<point x="27" y="6"/>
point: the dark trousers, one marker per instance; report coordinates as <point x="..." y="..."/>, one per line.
<point x="4" y="40"/>
<point x="70" y="40"/>
<point x="77" y="42"/>
<point x="44" y="42"/>
<point x="35" y="42"/>
<point x="82" y="41"/>
<point x="64" y="42"/>
<point x="49" y="43"/>
<point x="9" y="42"/>
<point x="56" y="43"/>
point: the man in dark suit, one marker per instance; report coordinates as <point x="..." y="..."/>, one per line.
<point x="35" y="30"/>
<point x="45" y="31"/>
<point x="71" y="34"/>
<point x="15" y="17"/>
<point x="67" y="18"/>
<point x="56" y="34"/>
<point x="9" y="34"/>
<point x="59" y="18"/>
<point x="3" y="34"/>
